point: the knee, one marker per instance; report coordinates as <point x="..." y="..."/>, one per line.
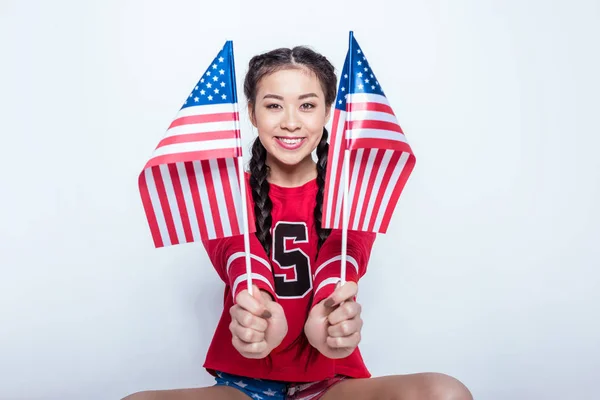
<point x="139" y="396"/>
<point x="445" y="387"/>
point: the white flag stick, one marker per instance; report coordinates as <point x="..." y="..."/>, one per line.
<point x="242" y="179"/>
<point x="346" y="164"/>
<point x="244" y="213"/>
<point x="245" y="223"/>
<point x="245" y="219"/>
<point x="345" y="215"/>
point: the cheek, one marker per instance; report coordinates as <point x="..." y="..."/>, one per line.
<point x="266" y="122"/>
<point x="315" y="129"/>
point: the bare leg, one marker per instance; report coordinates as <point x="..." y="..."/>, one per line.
<point x="425" y="386"/>
<point x="209" y="393"/>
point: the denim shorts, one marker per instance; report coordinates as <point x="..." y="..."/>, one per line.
<point x="260" y="389"/>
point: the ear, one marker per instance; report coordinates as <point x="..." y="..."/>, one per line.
<point x="251" y="114"/>
<point x="327" y="114"/>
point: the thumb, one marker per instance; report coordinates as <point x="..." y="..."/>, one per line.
<point x="342" y="293"/>
<point x="256" y="294"/>
<point x="261" y="300"/>
<point x="271" y="307"/>
<point x="331" y="301"/>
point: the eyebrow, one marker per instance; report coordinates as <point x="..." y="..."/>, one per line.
<point x="301" y="97"/>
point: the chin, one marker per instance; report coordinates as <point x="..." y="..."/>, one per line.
<point x="289" y="161"/>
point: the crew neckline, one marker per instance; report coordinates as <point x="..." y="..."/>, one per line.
<point x="293" y="190"/>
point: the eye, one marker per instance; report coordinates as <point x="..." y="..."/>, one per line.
<point x="273" y="106"/>
<point x="307" y="106"/>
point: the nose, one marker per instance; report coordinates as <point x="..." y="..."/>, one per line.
<point x="290" y="121"/>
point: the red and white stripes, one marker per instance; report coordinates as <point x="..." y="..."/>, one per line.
<point x="380" y="162"/>
<point x="190" y="188"/>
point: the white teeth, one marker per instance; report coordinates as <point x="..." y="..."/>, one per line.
<point x="290" y="141"/>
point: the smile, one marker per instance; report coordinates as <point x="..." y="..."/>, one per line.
<point x="290" y="143"/>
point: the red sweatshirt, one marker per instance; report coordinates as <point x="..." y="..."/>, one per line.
<point x="292" y="275"/>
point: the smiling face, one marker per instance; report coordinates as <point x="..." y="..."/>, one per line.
<point x="289" y="113"/>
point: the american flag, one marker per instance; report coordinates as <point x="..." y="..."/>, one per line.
<point x="381" y="159"/>
<point x="190" y="187"/>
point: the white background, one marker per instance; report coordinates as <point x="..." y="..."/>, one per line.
<point x="490" y="270"/>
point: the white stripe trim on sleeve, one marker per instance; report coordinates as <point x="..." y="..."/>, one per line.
<point x="328" y="281"/>
<point x="242" y="278"/>
<point x="240" y="254"/>
<point x="349" y="258"/>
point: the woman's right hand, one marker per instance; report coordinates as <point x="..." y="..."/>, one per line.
<point x="258" y="324"/>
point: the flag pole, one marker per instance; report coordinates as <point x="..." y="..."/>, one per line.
<point x="241" y="177"/>
<point x="345" y="216"/>
<point x="245" y="218"/>
<point x="346" y="167"/>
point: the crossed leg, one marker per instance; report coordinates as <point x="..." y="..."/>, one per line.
<point x="208" y="393"/>
<point x="423" y="386"/>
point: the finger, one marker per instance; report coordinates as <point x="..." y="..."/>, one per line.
<point x="248" y="348"/>
<point x="247" y="320"/>
<point x="246" y="335"/>
<point x="256" y="294"/>
<point x="345" y="328"/>
<point x="344" y="342"/>
<point x="346" y="311"/>
<point x="342" y="293"/>
<point x="252" y="304"/>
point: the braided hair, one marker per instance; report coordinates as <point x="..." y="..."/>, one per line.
<point x="259" y="67"/>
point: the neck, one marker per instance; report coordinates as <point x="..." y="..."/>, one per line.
<point x="291" y="175"/>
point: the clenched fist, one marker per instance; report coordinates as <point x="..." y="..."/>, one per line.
<point x="333" y="326"/>
<point x="258" y="324"/>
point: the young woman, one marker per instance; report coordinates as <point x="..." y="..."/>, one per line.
<point x="297" y="335"/>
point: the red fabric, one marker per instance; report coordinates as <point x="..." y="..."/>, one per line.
<point x="312" y="390"/>
<point x="295" y="274"/>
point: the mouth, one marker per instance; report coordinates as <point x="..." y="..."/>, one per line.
<point x="290" y="143"/>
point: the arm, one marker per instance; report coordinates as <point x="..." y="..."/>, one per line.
<point x="333" y="326"/>
<point x="328" y="265"/>
<point x="258" y="323"/>
<point x="228" y="258"/>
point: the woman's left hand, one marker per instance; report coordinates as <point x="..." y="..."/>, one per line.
<point x="333" y="326"/>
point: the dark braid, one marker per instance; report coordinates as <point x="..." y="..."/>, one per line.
<point x="259" y="67"/>
<point x="322" y="150"/>
<point x="259" y="171"/>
